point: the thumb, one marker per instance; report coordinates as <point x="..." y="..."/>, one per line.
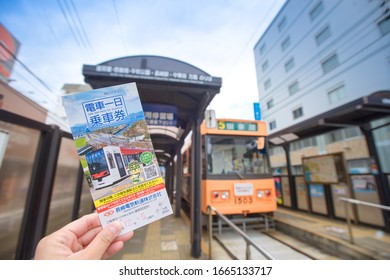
<point x="102" y="241"/>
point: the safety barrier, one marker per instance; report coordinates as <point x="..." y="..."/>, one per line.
<point x="358" y="202"/>
<point x="248" y="240"/>
<point x="27" y="223"/>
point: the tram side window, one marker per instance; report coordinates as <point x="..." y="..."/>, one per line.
<point x="111" y="160"/>
<point x="125" y="160"/>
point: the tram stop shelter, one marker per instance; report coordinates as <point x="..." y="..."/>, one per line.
<point x="359" y="112"/>
<point x="167" y="86"/>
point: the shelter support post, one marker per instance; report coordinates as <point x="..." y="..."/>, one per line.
<point x="380" y="177"/>
<point x="291" y="181"/>
<point x="179" y="145"/>
<point x="172" y="181"/>
<point x="169" y="180"/>
<point x="196" y="214"/>
<point x="36" y="215"/>
<point x="79" y="190"/>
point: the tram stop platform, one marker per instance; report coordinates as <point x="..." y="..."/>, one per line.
<point x="312" y="235"/>
<point x="330" y="236"/>
<point x="165" y="239"/>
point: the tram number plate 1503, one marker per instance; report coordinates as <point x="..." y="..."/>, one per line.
<point x="243" y="192"/>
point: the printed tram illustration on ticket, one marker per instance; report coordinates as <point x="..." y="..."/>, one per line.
<point x="116" y="152"/>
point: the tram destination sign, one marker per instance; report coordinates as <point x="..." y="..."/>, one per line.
<point x="237" y="126"/>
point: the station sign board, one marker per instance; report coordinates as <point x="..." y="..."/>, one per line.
<point x="160" y="114"/>
<point x="256" y="110"/>
<point x="155" y="74"/>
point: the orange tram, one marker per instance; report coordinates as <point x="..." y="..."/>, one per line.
<point x="236" y="174"/>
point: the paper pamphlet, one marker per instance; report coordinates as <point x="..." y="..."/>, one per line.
<point x="117" y="155"/>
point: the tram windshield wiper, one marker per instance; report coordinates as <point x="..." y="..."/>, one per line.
<point x="239" y="174"/>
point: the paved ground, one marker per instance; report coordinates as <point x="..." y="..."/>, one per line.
<point x="169" y="239"/>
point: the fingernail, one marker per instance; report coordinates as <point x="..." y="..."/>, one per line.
<point x="115" y="227"/>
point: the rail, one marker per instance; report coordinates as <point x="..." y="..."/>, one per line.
<point x="248" y="240"/>
<point x="358" y="202"/>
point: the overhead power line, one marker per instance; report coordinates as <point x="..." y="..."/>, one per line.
<point x="250" y="39"/>
<point x="88" y="43"/>
<point x="68" y="22"/>
<point x="75" y="25"/>
<point x="120" y="27"/>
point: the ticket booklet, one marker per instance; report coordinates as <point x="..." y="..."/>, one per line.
<point x="117" y="155"/>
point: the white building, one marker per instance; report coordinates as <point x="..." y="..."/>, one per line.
<point x="317" y="55"/>
<point x="317" y="58"/>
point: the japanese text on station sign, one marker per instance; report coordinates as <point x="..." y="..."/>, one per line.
<point x="160" y="118"/>
<point x="160" y="114"/>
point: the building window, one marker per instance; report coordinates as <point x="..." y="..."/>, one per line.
<point x="356" y="166"/>
<point x="289" y="65"/>
<point x="282" y="24"/>
<point x="337" y="94"/>
<point x="272" y="125"/>
<point x="265" y="66"/>
<point x="270" y="104"/>
<point x="293" y="88"/>
<point x="286" y="43"/>
<point x="297" y="170"/>
<point x="335" y="136"/>
<point x="330" y="64"/>
<point x="384" y="25"/>
<point x="342" y="134"/>
<point x="303" y="144"/>
<point x="318" y="9"/>
<point x="275" y="151"/>
<point x="323" y="35"/>
<point x="262" y="49"/>
<point x="297" y="113"/>
<point x="352" y="132"/>
<point x="267" y="84"/>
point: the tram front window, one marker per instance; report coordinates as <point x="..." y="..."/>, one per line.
<point x="235" y="155"/>
<point x="97" y="164"/>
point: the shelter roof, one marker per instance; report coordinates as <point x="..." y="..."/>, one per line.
<point x="355" y="113"/>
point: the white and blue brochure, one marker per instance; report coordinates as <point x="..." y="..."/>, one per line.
<point x="116" y="152"/>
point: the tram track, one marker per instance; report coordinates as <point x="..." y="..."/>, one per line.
<point x="228" y="244"/>
<point x="235" y="246"/>
<point x="281" y="246"/>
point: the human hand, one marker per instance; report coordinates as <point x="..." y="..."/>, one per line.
<point x="83" y="239"/>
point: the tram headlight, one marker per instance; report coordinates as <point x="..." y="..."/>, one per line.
<point x="215" y="195"/>
<point x="260" y="193"/>
<point x="225" y="195"/>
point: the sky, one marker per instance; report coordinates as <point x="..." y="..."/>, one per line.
<point x="58" y="36"/>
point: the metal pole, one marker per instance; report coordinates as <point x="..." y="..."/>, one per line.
<point x="245" y="236"/>
<point x="35" y="217"/>
<point x="291" y="181"/>
<point x="210" y="232"/>
<point x="178" y="178"/>
<point x="380" y="177"/>
<point x="196" y="214"/>
<point x="349" y="223"/>
<point x="77" y="197"/>
<point x="248" y="251"/>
